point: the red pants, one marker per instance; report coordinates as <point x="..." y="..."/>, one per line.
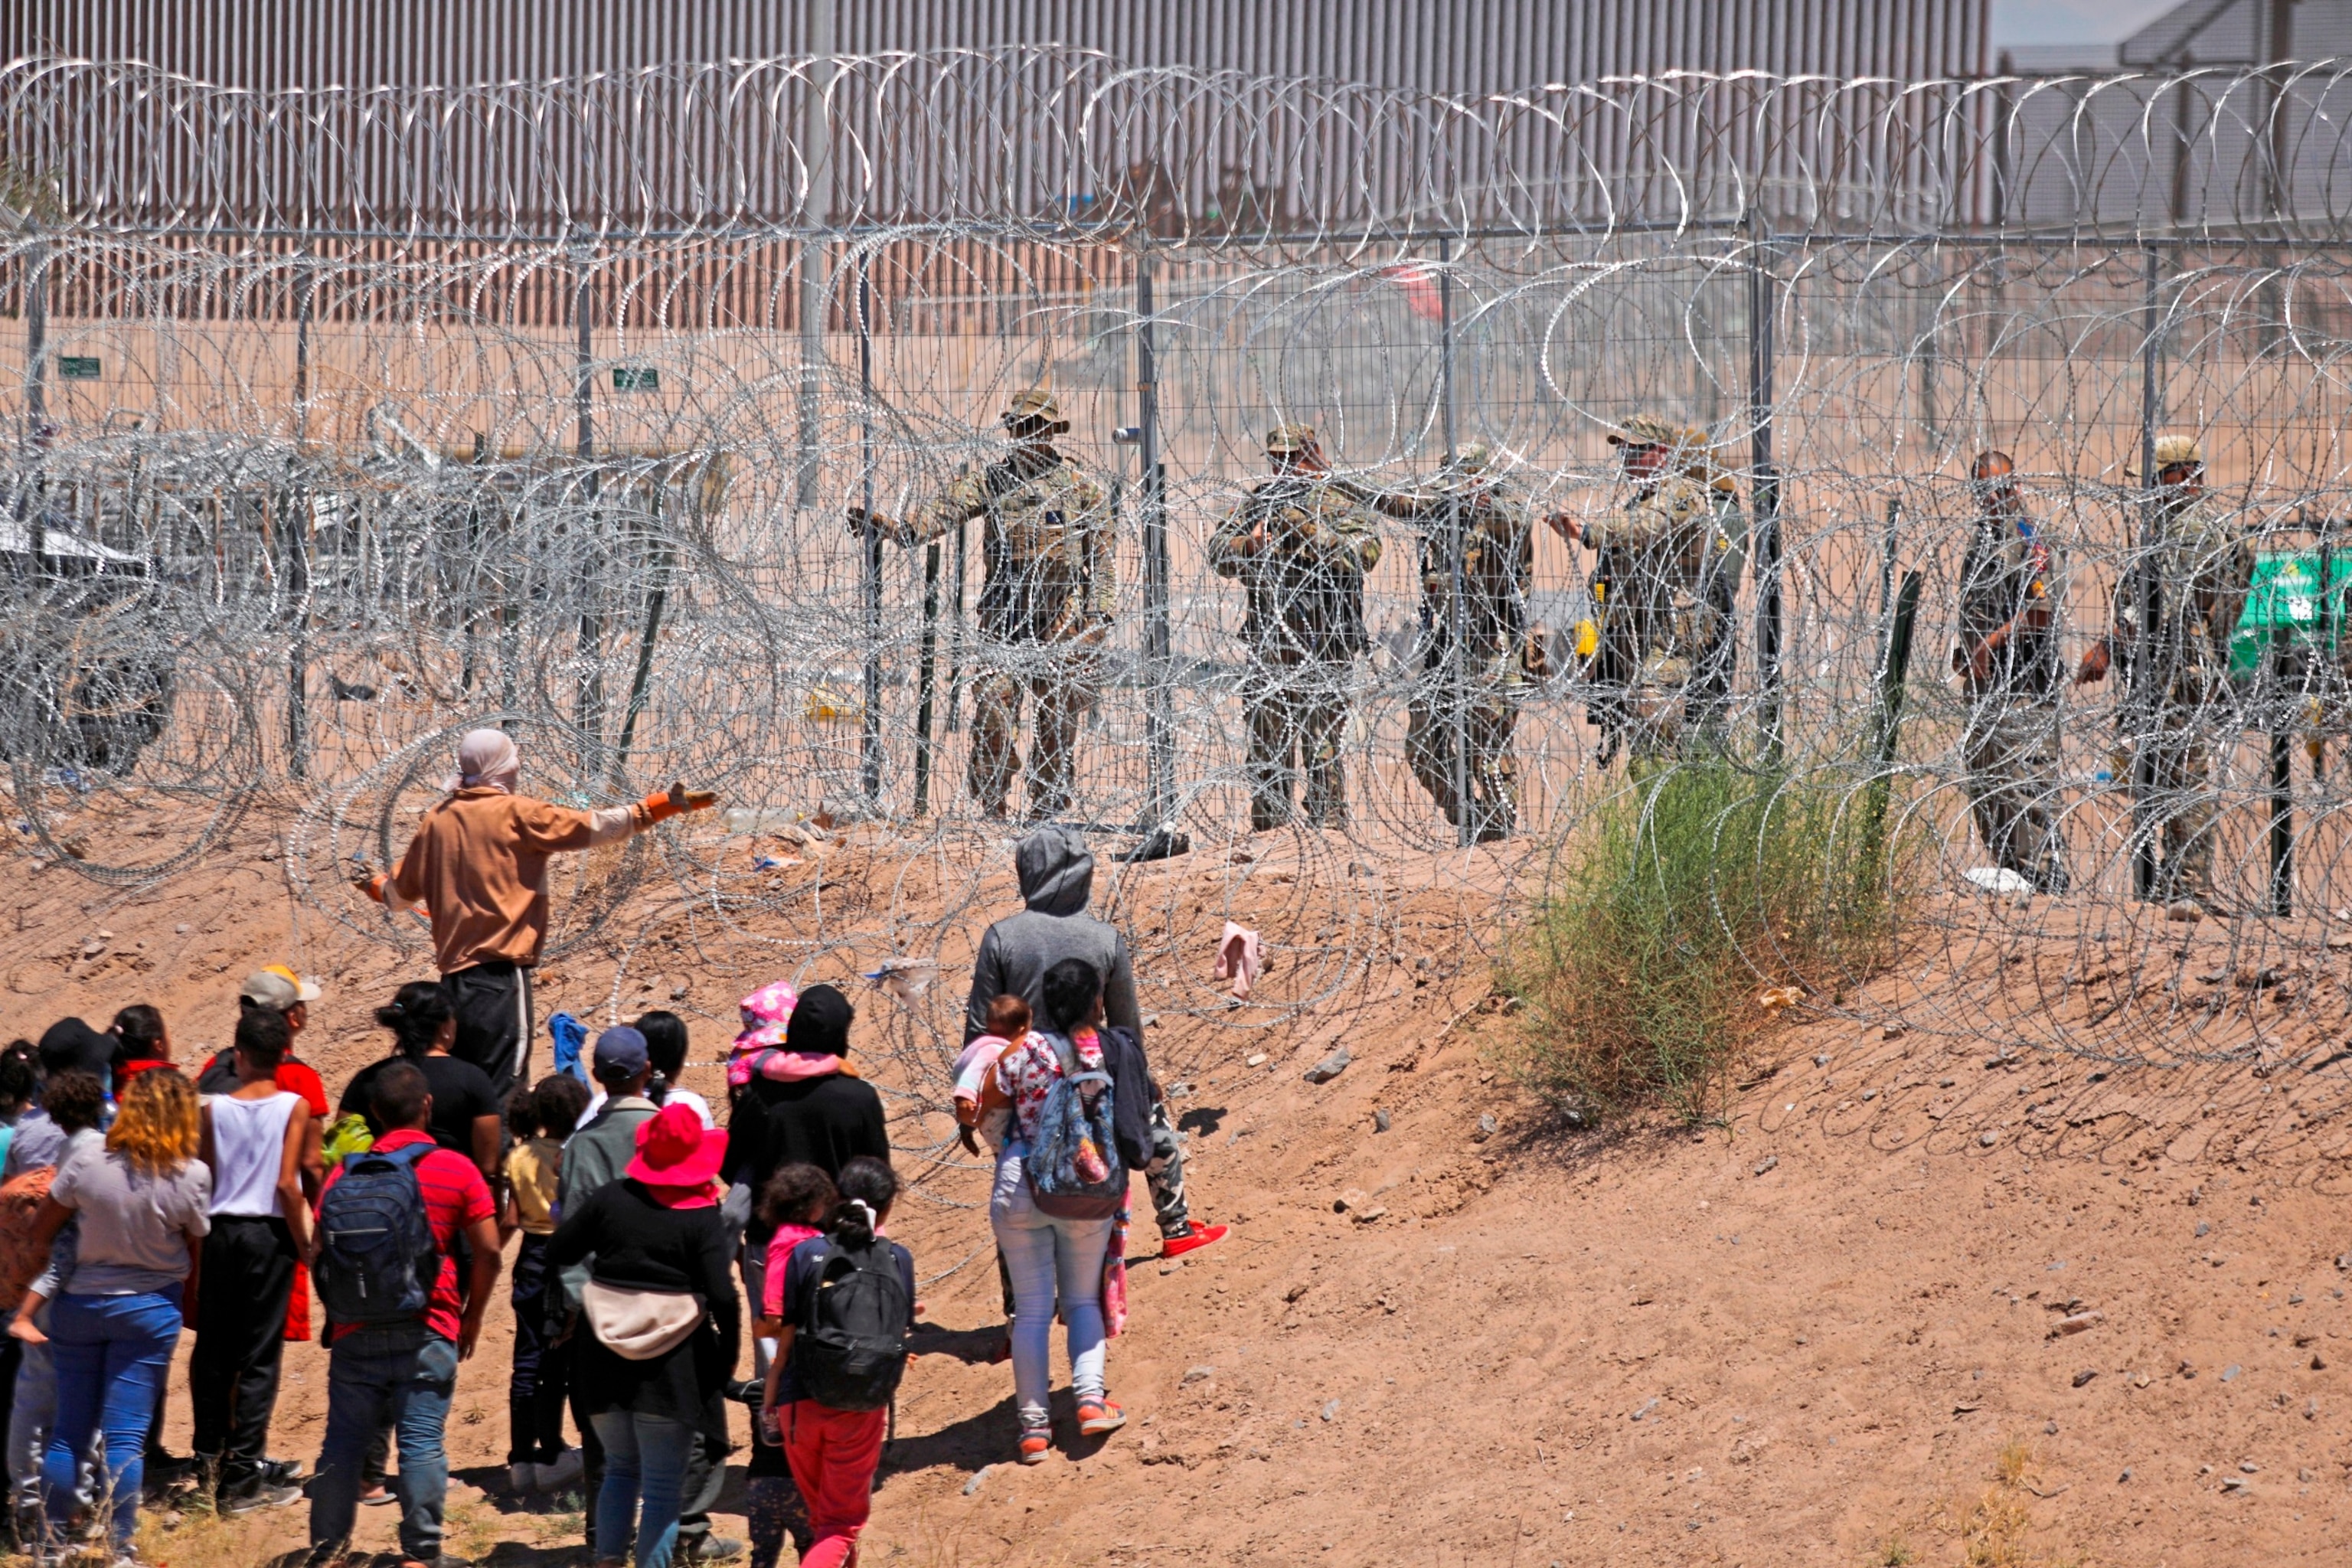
<point x="833" y="1454"/>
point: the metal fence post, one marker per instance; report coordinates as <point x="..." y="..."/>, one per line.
<point x="2139" y="706"/>
<point x="294" y="538"/>
<point x="1150" y="491"/>
<point x="870" y="728"/>
<point x="590" y="712"/>
<point x="1457" y="670"/>
<point x="1767" y="486"/>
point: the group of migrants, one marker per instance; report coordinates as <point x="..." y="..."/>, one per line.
<point x="1658" y="653"/>
<point x="140" y="1197"/>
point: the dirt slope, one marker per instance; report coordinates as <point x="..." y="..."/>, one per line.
<point x="1801" y="1338"/>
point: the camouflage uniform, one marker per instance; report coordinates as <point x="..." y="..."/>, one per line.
<point x="1305" y="627"/>
<point x="1482" y="710"/>
<point x="2204" y="567"/>
<point x="1050" y="585"/>
<point x="2010" y="744"/>
<point x="1663" y="594"/>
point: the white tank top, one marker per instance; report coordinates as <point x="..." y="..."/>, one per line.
<point x="249" y="1147"/>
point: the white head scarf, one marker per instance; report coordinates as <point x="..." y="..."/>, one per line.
<point x="486" y="759"/>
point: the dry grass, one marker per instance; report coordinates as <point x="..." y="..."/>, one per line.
<point x="1993" y="1531"/>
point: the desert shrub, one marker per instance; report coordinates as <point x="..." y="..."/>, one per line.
<point x="1673" y="902"/>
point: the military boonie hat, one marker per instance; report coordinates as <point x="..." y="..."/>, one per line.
<point x="1035" y="404"/>
<point x="1645" y="430"/>
<point x="2178" y="451"/>
<point x="1287" y="438"/>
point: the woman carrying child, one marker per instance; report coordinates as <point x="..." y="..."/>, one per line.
<point x="1052" y="1260"/>
<point x="540" y="1383"/>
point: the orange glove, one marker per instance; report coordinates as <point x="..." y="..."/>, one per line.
<point x="372" y="884"/>
<point x="677" y="801"/>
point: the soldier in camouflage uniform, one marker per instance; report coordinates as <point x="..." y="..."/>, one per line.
<point x="1050" y="585"/>
<point x="2204" y="565"/>
<point x="1301" y="545"/>
<point x="1476" y="708"/>
<point x="1662" y="592"/>
<point x="2008" y="657"/>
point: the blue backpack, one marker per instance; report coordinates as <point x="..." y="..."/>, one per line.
<point x="1069" y="1122"/>
<point x="376" y="1262"/>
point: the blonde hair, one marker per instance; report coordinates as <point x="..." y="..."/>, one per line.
<point x="160" y="1127"/>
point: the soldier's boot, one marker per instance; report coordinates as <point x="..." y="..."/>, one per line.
<point x="995" y="731"/>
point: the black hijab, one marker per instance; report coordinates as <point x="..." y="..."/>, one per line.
<point x="819" y="1023"/>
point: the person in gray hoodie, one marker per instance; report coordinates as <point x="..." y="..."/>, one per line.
<point x="1057" y="872"/>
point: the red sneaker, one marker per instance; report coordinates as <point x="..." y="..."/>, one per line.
<point x="1037" y="1443"/>
<point x="1099" y="1417"/>
<point x="1195" y="1237"/>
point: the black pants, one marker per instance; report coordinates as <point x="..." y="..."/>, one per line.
<point x="541" y="1383"/>
<point x="249" y="1273"/>
<point x="492" y="1002"/>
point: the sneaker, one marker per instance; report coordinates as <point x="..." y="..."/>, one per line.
<point x="711" y="1548"/>
<point x="523" y="1477"/>
<point x="559" y="1472"/>
<point x="260" y="1495"/>
<point x="377" y="1496"/>
<point x="1192" y="1238"/>
<point x="1037" y="1443"/>
<point x="283" y="1472"/>
<point x="1099" y="1417"/>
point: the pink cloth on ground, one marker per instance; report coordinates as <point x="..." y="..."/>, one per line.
<point x="1238" y="960"/>
<point x="779" y="1257"/>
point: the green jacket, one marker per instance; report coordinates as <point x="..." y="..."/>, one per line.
<point x="593" y="1157"/>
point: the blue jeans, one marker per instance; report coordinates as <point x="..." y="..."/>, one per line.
<point x="399" y="1375"/>
<point x="645" y="1457"/>
<point x="111" y="1354"/>
<point x="1050" y="1261"/>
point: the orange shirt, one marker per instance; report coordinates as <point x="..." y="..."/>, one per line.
<point x="478" y="864"/>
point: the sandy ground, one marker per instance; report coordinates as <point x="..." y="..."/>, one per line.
<point x="1825" y="1331"/>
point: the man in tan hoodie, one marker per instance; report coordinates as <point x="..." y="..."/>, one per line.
<point x="479" y="867"/>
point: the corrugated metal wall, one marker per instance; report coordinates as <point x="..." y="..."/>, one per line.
<point x="1451" y="47"/>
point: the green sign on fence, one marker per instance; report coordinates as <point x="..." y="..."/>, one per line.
<point x="2284" y="598"/>
<point x="635" y="378"/>
<point x="77" y="367"/>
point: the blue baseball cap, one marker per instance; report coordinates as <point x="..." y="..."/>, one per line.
<point x="621" y="1053"/>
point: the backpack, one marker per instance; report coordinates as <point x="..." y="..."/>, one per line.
<point x="377" y="1262"/>
<point x="20" y="1208"/>
<point x="1074" y="1167"/>
<point x="851" y="1348"/>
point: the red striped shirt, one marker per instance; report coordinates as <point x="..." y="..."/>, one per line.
<point x="455" y="1196"/>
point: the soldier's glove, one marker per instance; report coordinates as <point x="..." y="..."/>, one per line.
<point x="1534" y="658"/>
<point x="862" y="522"/>
<point x="677" y="801"/>
<point x="370" y="883"/>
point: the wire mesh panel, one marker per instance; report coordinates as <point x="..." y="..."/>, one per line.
<point x="1327" y="498"/>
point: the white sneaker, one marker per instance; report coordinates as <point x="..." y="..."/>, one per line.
<point x="566" y="1470"/>
<point x="523" y="1478"/>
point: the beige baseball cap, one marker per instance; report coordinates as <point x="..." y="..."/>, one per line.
<point x="277" y="988"/>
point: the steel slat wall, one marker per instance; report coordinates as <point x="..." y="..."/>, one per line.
<point x="1462" y="47"/>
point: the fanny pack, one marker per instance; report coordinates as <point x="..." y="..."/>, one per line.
<point x="638" y="1325"/>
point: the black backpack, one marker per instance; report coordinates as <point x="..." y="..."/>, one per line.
<point x="850" y="1349"/>
<point x="376" y="1262"/>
